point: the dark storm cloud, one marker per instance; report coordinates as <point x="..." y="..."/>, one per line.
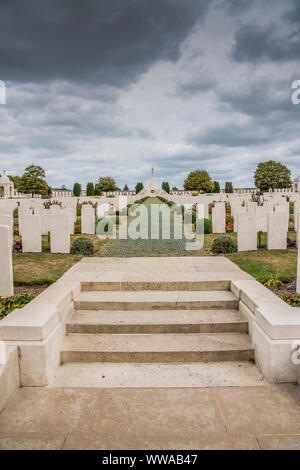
<point x="260" y="98"/>
<point x="104" y="42"/>
<point x="234" y="6"/>
<point x="277" y="40"/>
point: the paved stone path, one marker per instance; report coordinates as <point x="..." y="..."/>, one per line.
<point x="265" y="417"/>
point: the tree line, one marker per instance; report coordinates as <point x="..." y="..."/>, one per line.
<point x="269" y="175"/>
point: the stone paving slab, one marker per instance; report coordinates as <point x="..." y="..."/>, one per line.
<point x="209" y="418"/>
<point x="109" y="375"/>
<point x="207" y="268"/>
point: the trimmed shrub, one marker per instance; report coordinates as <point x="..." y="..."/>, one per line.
<point x="224" y="244"/>
<point x="82" y="246"/>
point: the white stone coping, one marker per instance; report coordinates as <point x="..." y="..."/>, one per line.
<point x="37" y="319"/>
<point x="276" y="318"/>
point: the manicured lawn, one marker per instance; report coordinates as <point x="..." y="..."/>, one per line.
<point x="41" y="268"/>
<point x="264" y="265"/>
<point x="45" y="268"/>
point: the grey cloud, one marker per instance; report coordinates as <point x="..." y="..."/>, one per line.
<point x="260" y="98"/>
<point x="234" y="6"/>
<point x="255" y="42"/>
<point x="204" y="82"/>
<point x="230" y="135"/>
<point x="108" y="41"/>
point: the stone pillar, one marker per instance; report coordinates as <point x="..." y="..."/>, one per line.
<point x="277" y="231"/>
<point x="6" y="269"/>
<point x="32" y="234"/>
<point x="246" y="231"/>
<point x="218" y="218"/>
<point x="88" y="220"/>
<point x="60" y="233"/>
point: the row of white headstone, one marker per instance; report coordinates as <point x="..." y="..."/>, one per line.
<point x="251" y="219"/>
<point x="60" y="225"/>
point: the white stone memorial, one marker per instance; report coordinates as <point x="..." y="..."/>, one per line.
<point x="277" y="231"/>
<point x="6" y="269"/>
<point x="8" y="221"/>
<point x="218" y="218"/>
<point x="32" y="234"/>
<point x="262" y="219"/>
<point x="88" y="219"/>
<point x="247" y="231"/>
<point x="60" y="233"/>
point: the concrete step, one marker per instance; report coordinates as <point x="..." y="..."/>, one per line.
<point x="105" y="375"/>
<point x="156" y="285"/>
<point x="157" y="321"/>
<point x="157" y="348"/>
<point x="158" y="300"/>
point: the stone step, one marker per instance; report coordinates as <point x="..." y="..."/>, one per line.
<point x="157" y="348"/>
<point x="105" y="375"/>
<point x="157" y="321"/>
<point x="157" y="285"/>
<point x="158" y="300"/>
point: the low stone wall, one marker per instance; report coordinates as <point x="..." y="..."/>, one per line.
<point x="38" y="330"/>
<point x="273" y="326"/>
<point x="9" y="376"/>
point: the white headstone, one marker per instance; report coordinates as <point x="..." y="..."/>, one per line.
<point x="6" y="269"/>
<point x="8" y="221"/>
<point x="218" y="218"/>
<point x="32" y="234"/>
<point x="284" y="208"/>
<point x="247" y="231"/>
<point x="262" y="219"/>
<point x="69" y="211"/>
<point x="23" y="211"/>
<point x="88" y="219"/>
<point x="251" y="206"/>
<point x="277" y="231"/>
<point x="60" y="233"/>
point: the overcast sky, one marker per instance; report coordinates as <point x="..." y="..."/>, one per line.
<point x="112" y="87"/>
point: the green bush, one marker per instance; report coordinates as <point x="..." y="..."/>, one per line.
<point x="11" y="303"/>
<point x="83" y="246"/>
<point x="224" y="244"/>
<point x="195" y="193"/>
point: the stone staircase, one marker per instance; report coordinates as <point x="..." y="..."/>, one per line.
<point x="162" y="328"/>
